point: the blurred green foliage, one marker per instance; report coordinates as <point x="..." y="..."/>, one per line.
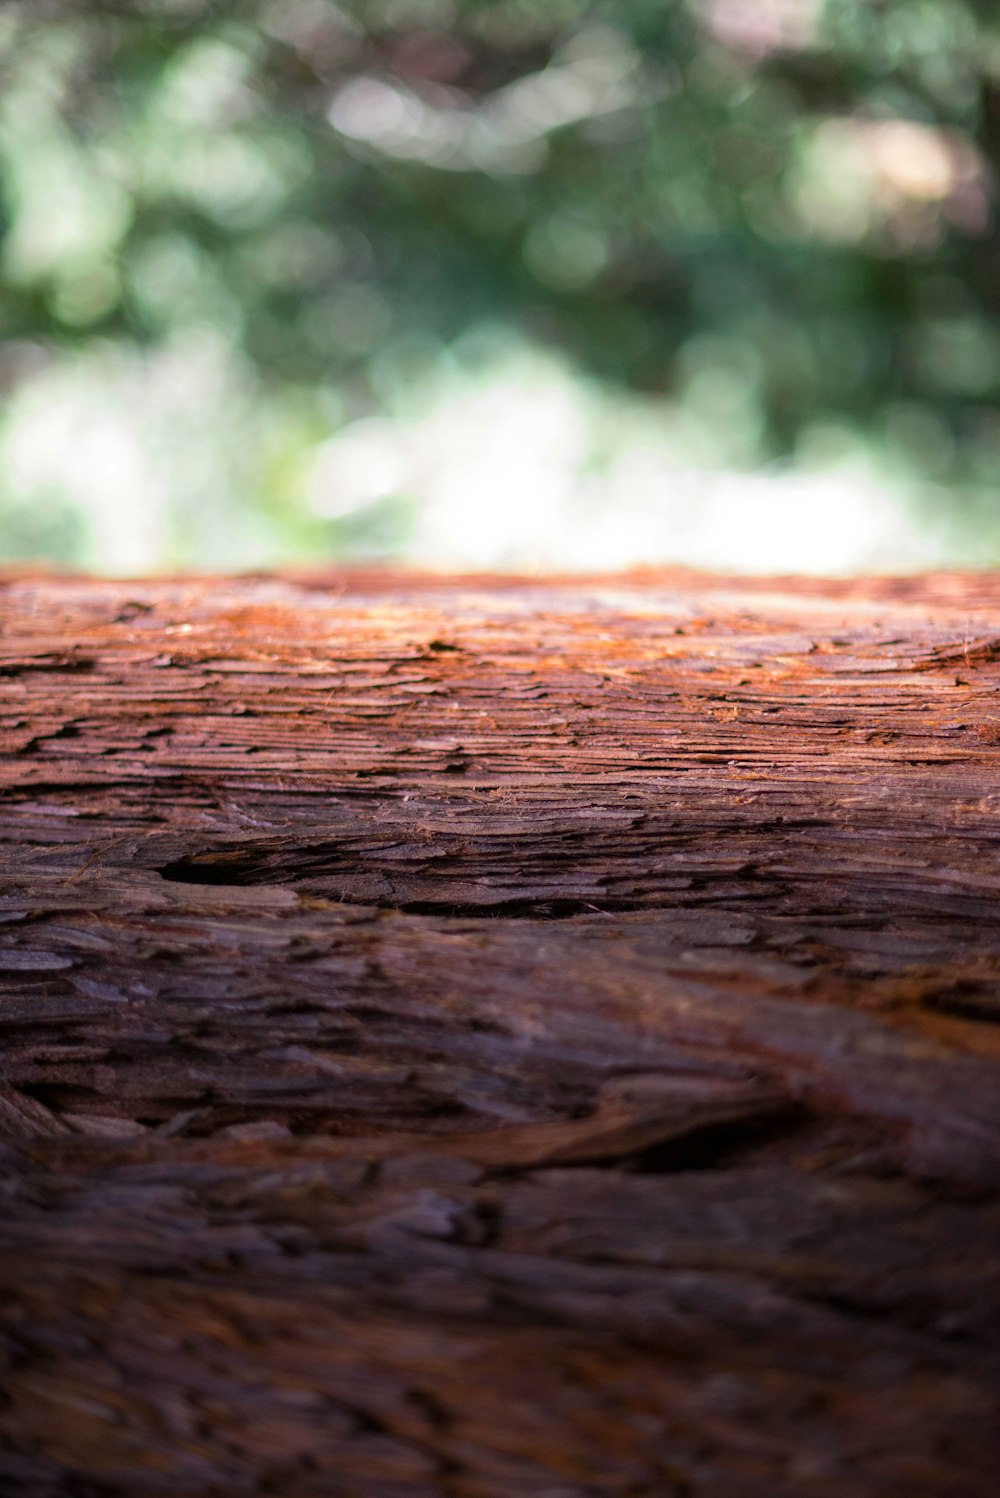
<point x="251" y="224"/>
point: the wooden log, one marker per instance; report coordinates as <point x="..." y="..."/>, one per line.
<point x="480" y="1037"/>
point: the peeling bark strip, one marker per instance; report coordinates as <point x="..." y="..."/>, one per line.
<point x="480" y="1038"/>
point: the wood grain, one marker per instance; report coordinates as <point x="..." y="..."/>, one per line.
<point x="482" y="1037"/>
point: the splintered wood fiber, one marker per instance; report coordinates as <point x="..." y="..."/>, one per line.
<point x="499" y="1039"/>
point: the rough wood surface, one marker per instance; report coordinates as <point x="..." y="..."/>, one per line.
<point x="479" y="1038"/>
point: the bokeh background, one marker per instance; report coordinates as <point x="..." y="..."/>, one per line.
<point x="518" y="283"/>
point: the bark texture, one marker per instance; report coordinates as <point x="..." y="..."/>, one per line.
<point x="476" y="1038"/>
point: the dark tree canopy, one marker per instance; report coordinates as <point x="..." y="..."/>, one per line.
<point x="786" y="209"/>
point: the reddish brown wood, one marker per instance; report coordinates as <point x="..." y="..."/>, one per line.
<point x="483" y="1037"/>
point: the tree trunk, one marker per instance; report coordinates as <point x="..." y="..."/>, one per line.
<point x="491" y="1038"/>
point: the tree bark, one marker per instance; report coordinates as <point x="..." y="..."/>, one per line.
<point x="481" y="1037"/>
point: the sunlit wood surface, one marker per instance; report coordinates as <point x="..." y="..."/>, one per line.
<point x="482" y="1037"/>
